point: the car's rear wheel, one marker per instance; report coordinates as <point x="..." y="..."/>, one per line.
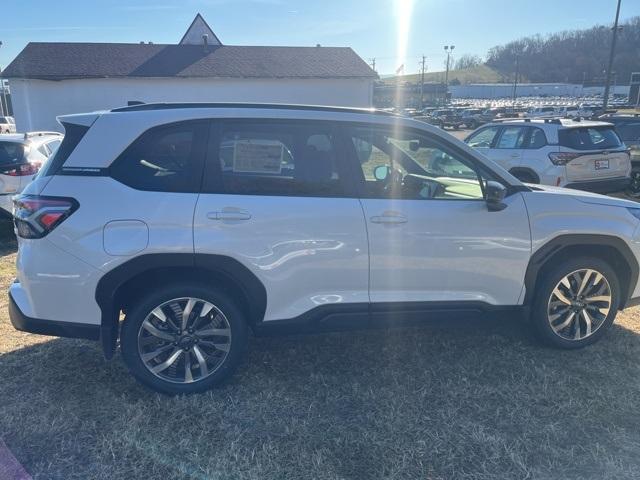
<point x="576" y="302"/>
<point x="524" y="176"/>
<point x="183" y="338"/>
<point x="634" y="185"/>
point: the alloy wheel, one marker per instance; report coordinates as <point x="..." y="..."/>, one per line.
<point x="579" y="304"/>
<point x="184" y="340"/>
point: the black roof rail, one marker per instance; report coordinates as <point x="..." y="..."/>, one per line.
<point x="275" y="106"/>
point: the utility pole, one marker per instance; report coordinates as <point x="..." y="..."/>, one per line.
<point x="3" y="100"/>
<point x="424" y="59"/>
<point x="515" y="83"/>
<point x="607" y="85"/>
<point x="449" y="50"/>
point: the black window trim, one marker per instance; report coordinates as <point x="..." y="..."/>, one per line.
<point x="201" y="133"/>
<point x="212" y="175"/>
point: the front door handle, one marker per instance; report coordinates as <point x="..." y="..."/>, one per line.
<point x="229" y="214"/>
<point x="394" y="218"/>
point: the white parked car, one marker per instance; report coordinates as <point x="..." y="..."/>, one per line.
<point x="21" y="156"/>
<point x="7" y="125"/>
<point x="586" y="155"/>
<point x="542" y="112"/>
<point x="202" y="221"/>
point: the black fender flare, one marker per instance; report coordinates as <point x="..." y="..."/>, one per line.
<point x="564" y="242"/>
<point x="109" y="284"/>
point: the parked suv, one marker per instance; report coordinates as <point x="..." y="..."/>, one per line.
<point x="200" y="222"/>
<point x="584" y="155"/>
<point x="7" y="125"/>
<point x="20" y="159"/>
<point x="628" y="128"/>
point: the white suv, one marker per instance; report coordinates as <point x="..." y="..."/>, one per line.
<point x="585" y="155"/>
<point x="7" y="125"/>
<point x="20" y="159"/>
<point x="198" y="222"/>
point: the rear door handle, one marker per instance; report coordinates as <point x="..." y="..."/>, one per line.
<point x="389" y="218"/>
<point x="228" y="214"/>
<point x="515" y="155"/>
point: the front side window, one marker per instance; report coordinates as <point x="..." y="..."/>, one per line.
<point x="409" y="165"/>
<point x="483" y="138"/>
<point x="278" y="159"/>
<point x="165" y="158"/>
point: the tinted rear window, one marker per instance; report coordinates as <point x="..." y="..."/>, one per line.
<point x="72" y="136"/>
<point x="11" y="152"/>
<point x="589" y="138"/>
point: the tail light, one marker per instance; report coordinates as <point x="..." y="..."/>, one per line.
<point x="35" y="216"/>
<point x="23" y="170"/>
<point x="562" y="158"/>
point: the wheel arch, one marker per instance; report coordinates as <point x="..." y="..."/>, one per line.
<point x="613" y="250"/>
<point x="515" y="170"/>
<point x="120" y="286"/>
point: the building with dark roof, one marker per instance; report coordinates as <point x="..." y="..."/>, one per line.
<point x="50" y="79"/>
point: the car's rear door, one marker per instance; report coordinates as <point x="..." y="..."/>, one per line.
<point x="277" y="197"/>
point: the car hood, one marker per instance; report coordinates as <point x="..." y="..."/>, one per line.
<point x="586" y="197"/>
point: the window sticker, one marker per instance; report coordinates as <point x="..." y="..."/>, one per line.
<point x="257" y="156"/>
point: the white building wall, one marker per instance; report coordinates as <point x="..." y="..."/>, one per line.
<point x="36" y="103"/>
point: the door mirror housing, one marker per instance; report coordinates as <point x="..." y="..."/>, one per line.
<point x="494" y="193"/>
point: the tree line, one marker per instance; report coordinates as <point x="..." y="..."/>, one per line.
<point x="571" y="56"/>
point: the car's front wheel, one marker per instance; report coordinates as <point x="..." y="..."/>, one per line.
<point x="576" y="302"/>
<point x="183" y="338"/>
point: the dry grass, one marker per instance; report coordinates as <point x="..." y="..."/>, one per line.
<point x="478" y="400"/>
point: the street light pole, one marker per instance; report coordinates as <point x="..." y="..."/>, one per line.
<point x="449" y="50"/>
<point x="515" y="83"/>
<point x="607" y="85"/>
<point x="3" y="100"/>
<point x="422" y="82"/>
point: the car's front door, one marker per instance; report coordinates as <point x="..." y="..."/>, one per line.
<point x="431" y="237"/>
<point x="277" y="197"/>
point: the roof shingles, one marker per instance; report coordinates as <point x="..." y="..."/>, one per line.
<point x="60" y="61"/>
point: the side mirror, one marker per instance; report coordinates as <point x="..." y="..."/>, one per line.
<point x="381" y="172"/>
<point x="494" y="195"/>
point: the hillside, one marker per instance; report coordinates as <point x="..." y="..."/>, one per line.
<point x="479" y="74"/>
<point x="571" y="56"/>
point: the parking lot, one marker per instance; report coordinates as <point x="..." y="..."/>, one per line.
<point x="478" y="399"/>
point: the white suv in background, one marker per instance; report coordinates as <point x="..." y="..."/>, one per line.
<point x="585" y="155"/>
<point x="199" y="222"/>
<point x="21" y="156"/>
<point x="7" y="125"/>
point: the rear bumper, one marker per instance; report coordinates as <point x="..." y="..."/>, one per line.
<point x="608" y="185"/>
<point x="22" y="322"/>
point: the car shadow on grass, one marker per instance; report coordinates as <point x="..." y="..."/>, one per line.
<point x="477" y="399"/>
<point x="8" y="243"/>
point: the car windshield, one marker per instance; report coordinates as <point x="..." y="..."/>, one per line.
<point x="11" y="152"/>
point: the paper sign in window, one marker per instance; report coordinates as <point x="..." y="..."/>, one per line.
<point x="257" y="156"/>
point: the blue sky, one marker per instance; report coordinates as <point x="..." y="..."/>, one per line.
<point x="373" y="28"/>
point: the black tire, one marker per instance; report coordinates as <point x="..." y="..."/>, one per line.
<point x="548" y="282"/>
<point x="634" y="186"/>
<point x="525" y="177"/>
<point x="143" y="307"/>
